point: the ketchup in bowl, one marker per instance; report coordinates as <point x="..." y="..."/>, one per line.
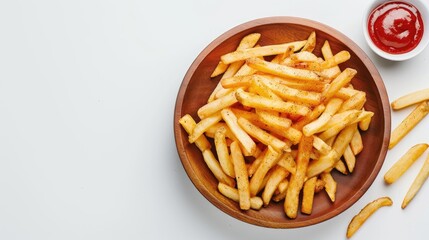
<point x="395" y="27"/>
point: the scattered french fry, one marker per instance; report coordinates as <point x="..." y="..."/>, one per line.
<point x="405" y="162"/>
<point x="411" y="99"/>
<point x="409" y="123"/>
<point x="365" y="213"/>
<point x="417" y="183"/>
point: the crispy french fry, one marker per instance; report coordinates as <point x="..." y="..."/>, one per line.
<point x="188" y="123"/>
<point x="287" y="162"/>
<point x="355" y="102"/>
<point x="231" y="120"/>
<point x="344" y="138"/>
<point x="220" y="68"/>
<point x="274" y="120"/>
<point x="409" y="123"/>
<point x="297" y="180"/>
<point x="356" y="143"/>
<point x="268" y="50"/>
<point x="263" y="136"/>
<point x="340" y="166"/>
<point x="314" y="114"/>
<point x="339" y="82"/>
<point x="330" y="185"/>
<point x="241" y="176"/>
<point x="402" y="165"/>
<point x="349" y="158"/>
<point x="216" y="169"/>
<point x="232" y="193"/>
<point x="411" y="99"/>
<point x="216" y="105"/>
<point x="335" y="129"/>
<point x="308" y="195"/>
<point x="256" y="101"/>
<point x="311" y="42"/>
<point x="324" y="163"/>
<point x="365" y="213"/>
<point x="275" y="178"/>
<point x="364" y="123"/>
<point x="270" y="159"/>
<point x="281" y="191"/>
<point x="336" y="59"/>
<point x="203" y="125"/>
<point x="320" y="185"/>
<point x="331" y="108"/>
<point x="321" y="146"/>
<point x="222" y="152"/>
<point x="282" y="70"/>
<point x="417" y="183"/>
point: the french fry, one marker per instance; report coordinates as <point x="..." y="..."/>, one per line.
<point x="344" y="138"/>
<point x="320" y="185"/>
<point x="409" y="123"/>
<point x="262" y="136"/>
<point x="356" y="143"/>
<point x="331" y="108"/>
<point x="241" y="176"/>
<point x="330" y="185"/>
<point x="321" y="146"/>
<point x="231" y="120"/>
<point x="364" y="123"/>
<point x="291" y="94"/>
<point x="268" y="50"/>
<point x="216" y="105"/>
<point x="324" y="163"/>
<point x="339" y="82"/>
<point x="314" y="114"/>
<point x="255" y="164"/>
<point x="282" y="70"/>
<point x="188" y="123"/>
<point x="311" y="42"/>
<point x="402" y="165"/>
<point x="270" y="159"/>
<point x="281" y="191"/>
<point x="355" y="102"/>
<point x="334" y="130"/>
<point x="411" y="99"/>
<point x="220" y="68"/>
<point x="256" y="101"/>
<point x="332" y="72"/>
<point x="417" y="183"/>
<point x="287" y="162"/>
<point x="336" y="59"/>
<point x="308" y="195"/>
<point x="349" y="158"/>
<point x="365" y="213"/>
<point x="232" y="193"/>
<point x="274" y="120"/>
<point x="203" y="125"/>
<point x="223" y="153"/>
<point x="297" y="179"/>
<point x="340" y="166"/>
<point x="275" y="178"/>
<point x="216" y="169"/>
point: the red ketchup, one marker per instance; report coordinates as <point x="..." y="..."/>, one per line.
<point x="395" y="27"/>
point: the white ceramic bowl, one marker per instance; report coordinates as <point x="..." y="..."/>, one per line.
<point x="421" y="5"/>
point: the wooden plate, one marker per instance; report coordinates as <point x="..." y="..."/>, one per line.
<point x="197" y="86"/>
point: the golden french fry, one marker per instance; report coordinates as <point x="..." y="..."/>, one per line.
<point x="410" y="99"/>
<point x="340" y="166"/>
<point x="287" y="162"/>
<point x="314" y="114"/>
<point x="256" y="101"/>
<point x="349" y="158"/>
<point x="231" y="120"/>
<point x="330" y="185"/>
<point x="241" y="176"/>
<point x="216" y="169"/>
<point x="258" y="87"/>
<point x="274" y="120"/>
<point x="188" y="123"/>
<point x="263" y="136"/>
<point x="297" y="179"/>
<point x="232" y="193"/>
<point x="409" y="123"/>
<point x="335" y="129"/>
<point x="203" y="125"/>
<point x="334" y="71"/>
<point x="365" y="213"/>
<point x="223" y="153"/>
<point x="417" y="183"/>
<point x="331" y="108"/>
<point x="356" y="143"/>
<point x="255" y="163"/>
<point x="216" y="105"/>
<point x="320" y="185"/>
<point x="268" y="50"/>
<point x="281" y="190"/>
<point x="364" y="124"/>
<point x="313" y="86"/>
<point x="308" y="195"/>
<point x="291" y="94"/>
<point x="237" y="81"/>
<point x="282" y="70"/>
<point x="339" y="82"/>
<point x="321" y="146"/>
<point x="355" y="102"/>
<point x="311" y="42"/>
<point x="275" y="178"/>
<point x="220" y="68"/>
<point x="402" y="165"/>
<point x="336" y="60"/>
<point x="325" y="162"/>
<point x="269" y="160"/>
<point x="344" y="138"/>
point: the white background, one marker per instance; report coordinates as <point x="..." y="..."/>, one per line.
<point x="87" y="94"/>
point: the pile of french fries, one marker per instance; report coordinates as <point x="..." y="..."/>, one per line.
<point x="419" y="99"/>
<point x="281" y="119"/>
